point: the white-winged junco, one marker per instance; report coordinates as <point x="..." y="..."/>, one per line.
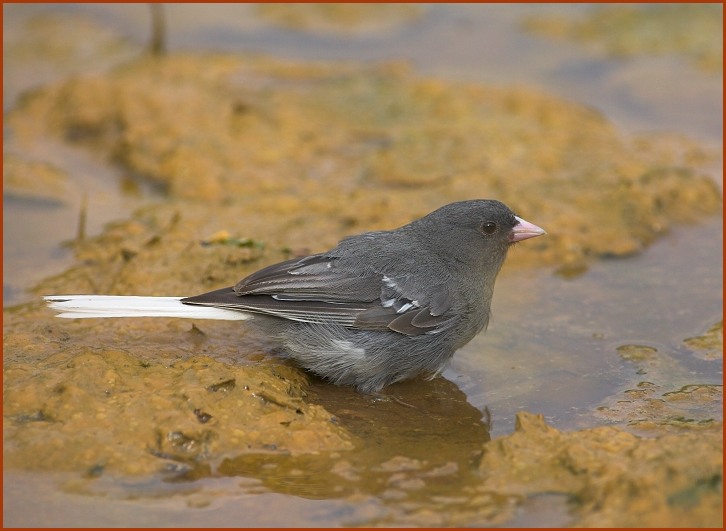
<point x="380" y="307"/>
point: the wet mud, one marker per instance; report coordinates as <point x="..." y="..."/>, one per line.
<point x="694" y="31"/>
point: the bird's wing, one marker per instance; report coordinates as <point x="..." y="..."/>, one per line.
<point x="404" y="308"/>
<point x="317" y="277"/>
<point x="319" y="289"/>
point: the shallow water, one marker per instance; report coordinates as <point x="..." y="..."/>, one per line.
<point x="558" y="337"/>
<point x="551" y="346"/>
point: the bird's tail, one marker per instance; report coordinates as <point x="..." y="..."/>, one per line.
<point x="85" y="306"/>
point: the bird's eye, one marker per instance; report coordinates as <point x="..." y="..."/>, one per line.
<point x="488" y="227"/>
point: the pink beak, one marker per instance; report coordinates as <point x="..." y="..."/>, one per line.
<point x="524" y="230"/>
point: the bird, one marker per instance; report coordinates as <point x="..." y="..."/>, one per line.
<point x="380" y="307"/>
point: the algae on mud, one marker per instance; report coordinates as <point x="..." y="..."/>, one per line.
<point x="48" y="184"/>
<point x="298" y="156"/>
<point x="372" y="148"/>
<point x="692" y="30"/>
<point x="708" y="345"/>
<point x="342" y="18"/>
<point x="667" y="399"/>
<point x="613" y="478"/>
<point x="107" y="411"/>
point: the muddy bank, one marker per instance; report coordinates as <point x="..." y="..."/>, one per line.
<point x="97" y="410"/>
<point x="694" y="31"/>
<point x="124" y="428"/>
<point x="332" y="149"/>
<point x="611" y="478"/>
<point x="346" y="19"/>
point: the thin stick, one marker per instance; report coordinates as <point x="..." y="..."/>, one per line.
<point x="82" y="216"/>
<point x="157" y="46"/>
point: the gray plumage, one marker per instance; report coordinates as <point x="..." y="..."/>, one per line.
<point x="384" y="306"/>
<point x="379" y="308"/>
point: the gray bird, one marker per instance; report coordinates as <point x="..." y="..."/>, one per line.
<point x="379" y="308"/>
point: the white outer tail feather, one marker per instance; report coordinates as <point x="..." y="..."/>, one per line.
<point x="87" y="306"/>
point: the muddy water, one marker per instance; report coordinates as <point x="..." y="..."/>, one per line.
<point x="162" y="423"/>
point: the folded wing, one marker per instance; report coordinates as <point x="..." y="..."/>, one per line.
<point x="321" y="289"/>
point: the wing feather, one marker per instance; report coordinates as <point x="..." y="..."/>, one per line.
<point x="321" y="289"/>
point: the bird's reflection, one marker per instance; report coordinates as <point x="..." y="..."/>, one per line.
<point x="413" y="440"/>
